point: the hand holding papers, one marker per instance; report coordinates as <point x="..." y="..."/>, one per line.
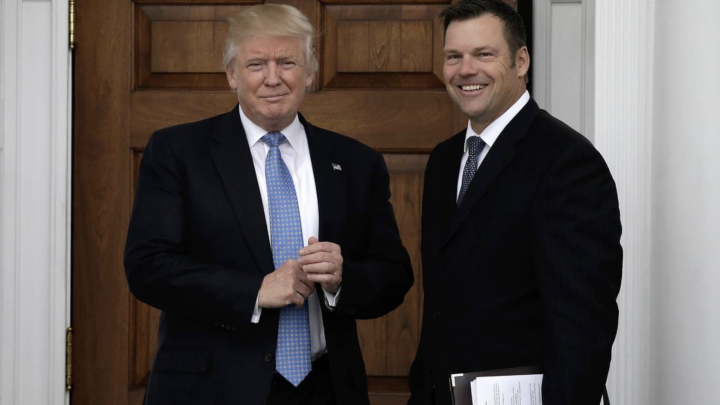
<point x="507" y="390"/>
<point x="461" y="390"/>
<point x="508" y="386"/>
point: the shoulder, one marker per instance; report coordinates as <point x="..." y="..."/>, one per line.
<point x="447" y="150"/>
<point x="341" y="144"/>
<point x="564" y="148"/>
<point x="187" y="135"/>
<point x="455" y="141"/>
<point x="558" y="136"/>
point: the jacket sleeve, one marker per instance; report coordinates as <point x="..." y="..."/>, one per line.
<point x="159" y="271"/>
<point x="578" y="261"/>
<point x="376" y="285"/>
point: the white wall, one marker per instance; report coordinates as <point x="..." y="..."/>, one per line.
<point x="685" y="347"/>
<point x="592" y="69"/>
<point x="563" y="61"/>
<point x="34" y="201"/>
<point x="624" y="135"/>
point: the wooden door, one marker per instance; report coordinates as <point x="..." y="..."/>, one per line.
<point x="148" y="64"/>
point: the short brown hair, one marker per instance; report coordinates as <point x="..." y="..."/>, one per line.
<point x="512" y="21"/>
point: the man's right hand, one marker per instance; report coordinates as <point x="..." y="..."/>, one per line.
<point x="288" y="284"/>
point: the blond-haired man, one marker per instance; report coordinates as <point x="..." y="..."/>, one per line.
<point x="262" y="237"/>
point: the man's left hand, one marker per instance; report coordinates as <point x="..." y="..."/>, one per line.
<point x="322" y="261"/>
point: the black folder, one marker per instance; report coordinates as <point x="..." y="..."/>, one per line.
<point x="460" y="383"/>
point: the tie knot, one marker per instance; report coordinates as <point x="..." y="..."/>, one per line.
<point x="273" y="139"/>
<point x="475" y="145"/>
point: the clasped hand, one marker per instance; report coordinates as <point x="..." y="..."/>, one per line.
<point x="294" y="281"/>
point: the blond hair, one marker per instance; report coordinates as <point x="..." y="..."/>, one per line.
<point x="272" y="20"/>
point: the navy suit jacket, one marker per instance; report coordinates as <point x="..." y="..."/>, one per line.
<point x="526" y="271"/>
<point x="198" y="249"/>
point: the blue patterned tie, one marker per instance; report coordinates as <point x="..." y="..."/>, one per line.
<point x="475" y="146"/>
<point x="293" y="348"/>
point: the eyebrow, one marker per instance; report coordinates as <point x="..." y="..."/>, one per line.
<point x="474" y="50"/>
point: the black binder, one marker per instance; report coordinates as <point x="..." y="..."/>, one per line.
<point x="460" y="383"/>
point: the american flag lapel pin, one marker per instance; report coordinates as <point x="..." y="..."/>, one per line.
<point x="336" y="167"/>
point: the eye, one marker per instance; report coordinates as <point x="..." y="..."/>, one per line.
<point x="452" y="58"/>
<point x="254" y="66"/>
<point x="288" y="64"/>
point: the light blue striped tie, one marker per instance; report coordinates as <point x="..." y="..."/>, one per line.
<point x="293" y="348"/>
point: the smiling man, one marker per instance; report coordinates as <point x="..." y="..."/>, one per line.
<point x="520" y="229"/>
<point x="262" y="238"/>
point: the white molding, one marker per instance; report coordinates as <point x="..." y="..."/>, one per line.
<point x="8" y="230"/>
<point x="545" y="59"/>
<point x="61" y="201"/>
<point x="623" y="134"/>
<point x="616" y="106"/>
<point x="35" y="202"/>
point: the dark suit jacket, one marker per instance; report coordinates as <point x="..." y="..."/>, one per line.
<point x="527" y="270"/>
<point x="198" y="249"/>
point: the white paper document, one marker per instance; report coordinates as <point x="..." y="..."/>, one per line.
<point x="507" y="390"/>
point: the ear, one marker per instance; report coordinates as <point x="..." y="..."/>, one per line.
<point x="522" y="61"/>
<point x="230" y="73"/>
<point x="309" y="79"/>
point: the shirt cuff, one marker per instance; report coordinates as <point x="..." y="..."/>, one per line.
<point x="257" y="312"/>
<point x="331" y="299"/>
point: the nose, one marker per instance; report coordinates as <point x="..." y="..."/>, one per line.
<point x="467" y="67"/>
<point x="272" y="74"/>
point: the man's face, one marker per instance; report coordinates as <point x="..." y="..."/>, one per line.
<point x="270" y="77"/>
<point x="479" y="72"/>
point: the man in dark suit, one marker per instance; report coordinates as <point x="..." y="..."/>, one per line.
<point x="520" y="230"/>
<point x="250" y="313"/>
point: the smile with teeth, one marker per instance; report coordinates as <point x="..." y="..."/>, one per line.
<point x="473" y="87"/>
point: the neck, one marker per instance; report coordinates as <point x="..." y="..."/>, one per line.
<point x="479" y="124"/>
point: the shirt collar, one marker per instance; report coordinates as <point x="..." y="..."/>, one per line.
<point x="493" y="131"/>
<point x="293" y="132"/>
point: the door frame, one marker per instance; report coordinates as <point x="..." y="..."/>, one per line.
<point x="35" y="196"/>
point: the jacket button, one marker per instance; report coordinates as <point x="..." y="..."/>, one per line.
<point x="436" y="315"/>
<point x="269" y="358"/>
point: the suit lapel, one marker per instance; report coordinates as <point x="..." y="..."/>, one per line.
<point x="231" y="154"/>
<point x="500" y="155"/>
<point x="329" y="182"/>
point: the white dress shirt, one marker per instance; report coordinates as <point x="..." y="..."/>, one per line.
<point x="296" y="154"/>
<point x="489" y="135"/>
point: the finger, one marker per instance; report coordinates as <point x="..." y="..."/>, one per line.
<point x="323" y="278"/>
<point x="299" y="300"/>
<point x="303" y="290"/>
<point x="292" y="264"/>
<point x="302" y="279"/>
<point x="318" y="247"/>
<point x="318" y="257"/>
<point x="320" y="268"/>
<point x="312" y="240"/>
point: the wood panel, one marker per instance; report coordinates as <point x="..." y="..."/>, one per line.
<point x="180" y="47"/>
<point x="383" y="46"/>
<point x="100" y="202"/>
<point x="389" y="344"/>
<point x="387" y="121"/>
<point x="393" y="100"/>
